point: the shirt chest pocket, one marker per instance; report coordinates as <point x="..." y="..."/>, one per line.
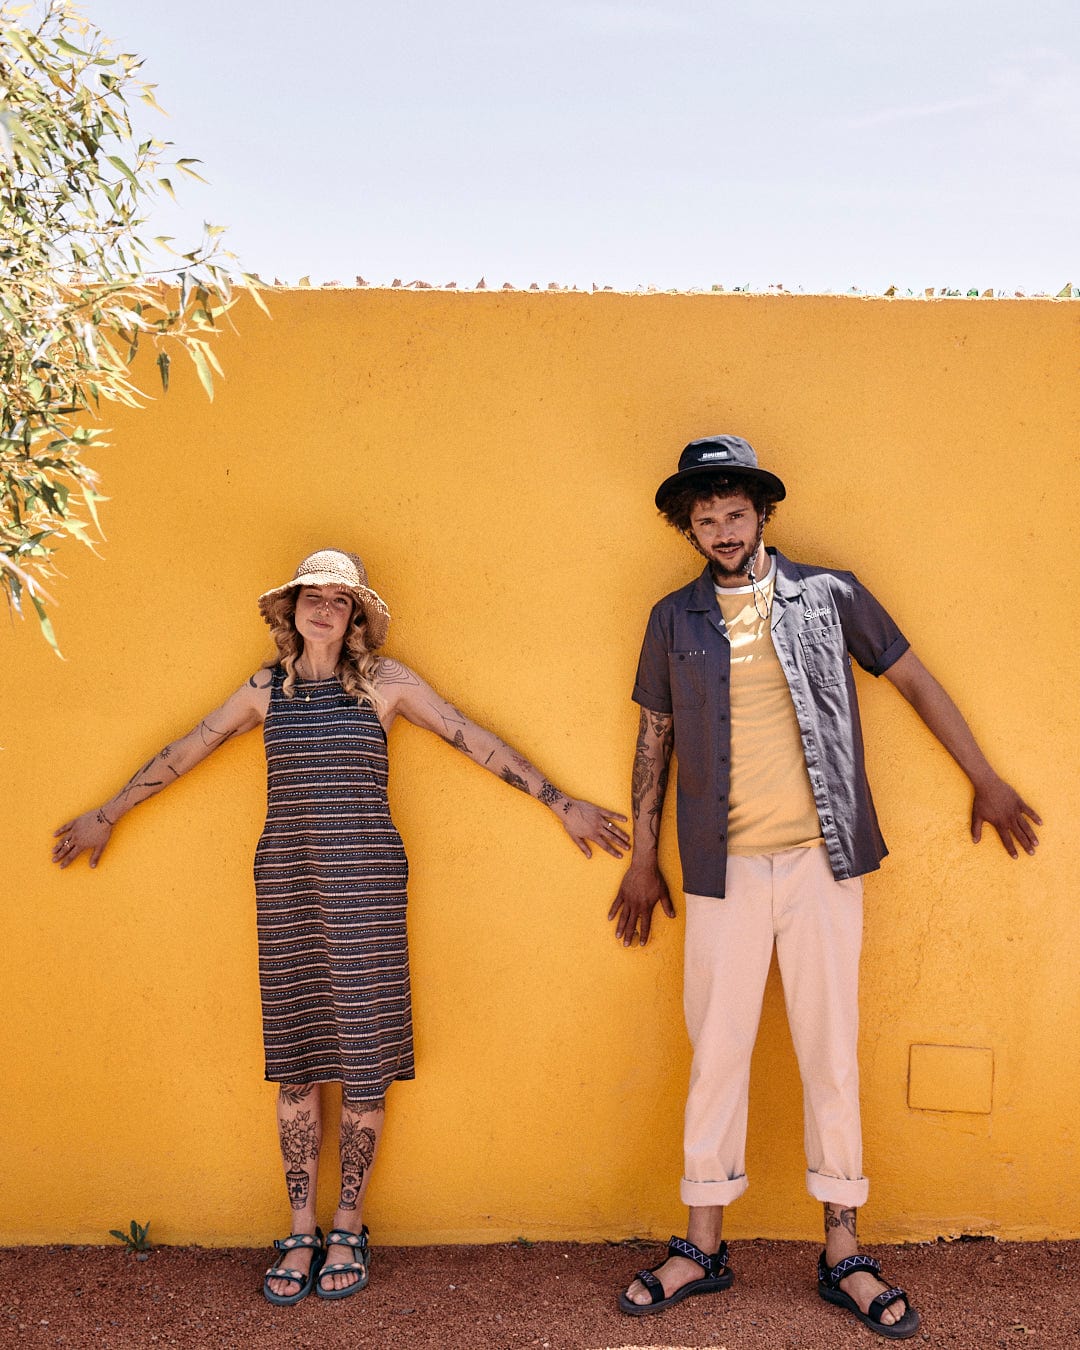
<point x="687" y="673"/>
<point x="825" y="654"/>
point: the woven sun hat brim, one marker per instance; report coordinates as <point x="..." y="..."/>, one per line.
<point x="373" y="605"/>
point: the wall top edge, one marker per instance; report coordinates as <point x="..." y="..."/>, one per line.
<point x="1068" y="292"/>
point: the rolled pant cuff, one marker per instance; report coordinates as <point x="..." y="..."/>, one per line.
<point x="712" y="1192"/>
<point x="837" y="1190"/>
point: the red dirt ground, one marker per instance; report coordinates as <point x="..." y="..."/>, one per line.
<point x="973" y="1295"/>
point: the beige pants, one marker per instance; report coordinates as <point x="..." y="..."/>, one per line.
<point x="789" y="898"/>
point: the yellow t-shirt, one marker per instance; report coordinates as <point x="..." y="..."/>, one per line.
<point x="770" y="802"/>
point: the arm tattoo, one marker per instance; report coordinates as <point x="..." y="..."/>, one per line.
<point x="659" y="722"/>
<point x="839" y="1216"/>
<point x="652" y="764"/>
<point x="509" y="776"/>
<point x="209" y="736"/>
<point x="656" y="809"/>
<point x="452" y="721"/>
<point x="139" y="779"/>
<point x="643" y="774"/>
<point x="549" y="794"/>
<point x="393" y="672"/>
<point x="260" y="679"/>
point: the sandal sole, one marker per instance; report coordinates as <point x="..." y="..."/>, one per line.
<point x="717" y="1286"/>
<point x="907" y="1326"/>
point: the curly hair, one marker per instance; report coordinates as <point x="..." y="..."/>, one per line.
<point x="678" y="505"/>
<point x="357" y="666"/>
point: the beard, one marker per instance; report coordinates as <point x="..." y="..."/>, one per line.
<point x="737" y="567"/>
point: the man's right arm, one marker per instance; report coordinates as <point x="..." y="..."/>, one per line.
<point x="643" y="885"/>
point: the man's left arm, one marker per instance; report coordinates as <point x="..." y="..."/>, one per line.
<point x="995" y="802"/>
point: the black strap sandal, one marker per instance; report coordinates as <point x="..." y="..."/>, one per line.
<point x="358" y="1244"/>
<point x="718" y="1276"/>
<point x="312" y="1242"/>
<point x="828" y="1288"/>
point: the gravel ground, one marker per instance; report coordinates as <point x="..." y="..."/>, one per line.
<point x="973" y="1295"/>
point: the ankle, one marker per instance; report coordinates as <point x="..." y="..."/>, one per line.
<point x="840" y="1246"/>
<point x="705" y="1226"/>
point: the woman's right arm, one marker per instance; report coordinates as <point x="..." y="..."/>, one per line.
<point x="242" y="711"/>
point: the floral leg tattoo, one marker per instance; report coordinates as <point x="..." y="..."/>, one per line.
<point x="301" y="1139"/>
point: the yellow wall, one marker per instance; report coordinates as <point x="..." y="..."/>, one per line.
<point x="493" y="457"/>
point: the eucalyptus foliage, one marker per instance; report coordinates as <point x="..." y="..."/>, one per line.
<point x="80" y="288"/>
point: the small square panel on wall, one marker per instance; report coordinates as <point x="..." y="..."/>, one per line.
<point x="951" y="1078"/>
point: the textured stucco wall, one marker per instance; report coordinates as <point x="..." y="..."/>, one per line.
<point x="493" y="457"/>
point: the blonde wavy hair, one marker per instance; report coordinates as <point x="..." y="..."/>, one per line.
<point x="358" y="664"/>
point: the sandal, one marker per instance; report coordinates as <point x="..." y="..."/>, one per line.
<point x="717" y="1276"/>
<point x="828" y="1287"/>
<point x="341" y="1237"/>
<point x="312" y="1241"/>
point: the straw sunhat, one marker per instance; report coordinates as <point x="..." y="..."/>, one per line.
<point x="335" y="567"/>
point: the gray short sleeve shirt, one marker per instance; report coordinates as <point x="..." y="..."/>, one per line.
<point x="821" y="619"/>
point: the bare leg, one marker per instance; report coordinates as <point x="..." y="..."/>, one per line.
<point x="299" y="1117"/>
<point x="704" y="1227"/>
<point x="840" y="1241"/>
<point x="361" y="1129"/>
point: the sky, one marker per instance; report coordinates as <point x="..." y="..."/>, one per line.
<point x="821" y="146"/>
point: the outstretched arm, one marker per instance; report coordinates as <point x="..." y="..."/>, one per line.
<point x="996" y="803"/>
<point x="92" y="830"/>
<point x="405" y="693"/>
<point x="644" y="884"/>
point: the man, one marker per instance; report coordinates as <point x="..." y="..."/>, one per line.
<point x="746" y="675"/>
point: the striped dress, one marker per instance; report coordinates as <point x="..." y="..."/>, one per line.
<point x="330" y="877"/>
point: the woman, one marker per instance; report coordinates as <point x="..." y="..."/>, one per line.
<point x="330" y="875"/>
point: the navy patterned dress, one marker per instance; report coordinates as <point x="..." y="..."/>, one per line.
<point x="330" y="887"/>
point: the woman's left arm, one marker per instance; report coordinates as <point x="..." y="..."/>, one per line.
<point x="405" y="694"/>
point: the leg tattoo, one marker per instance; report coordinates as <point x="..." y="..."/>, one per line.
<point x="292" y="1094"/>
<point x="300" y="1142"/>
<point x="839" y="1216"/>
<point x="357" y="1152"/>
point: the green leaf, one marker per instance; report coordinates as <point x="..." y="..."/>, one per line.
<point x="147" y="96"/>
<point x="46" y="626"/>
<point x="91" y="498"/>
<point x="184" y="165"/>
<point x="163" y="364"/>
<point x="254" y="289"/>
<point x="15" y="39"/>
<point x="203" y="368"/>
